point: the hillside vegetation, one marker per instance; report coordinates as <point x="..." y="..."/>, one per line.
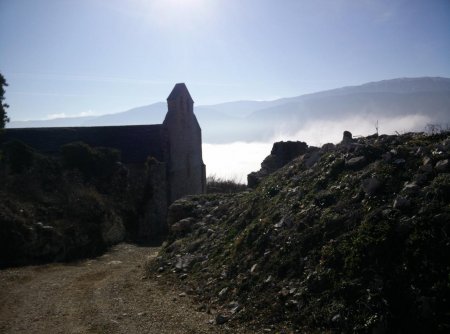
<point x="346" y="238"/>
<point x="57" y="208"/>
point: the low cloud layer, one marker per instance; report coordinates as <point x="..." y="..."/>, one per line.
<point x="64" y="115"/>
<point x="236" y="160"/>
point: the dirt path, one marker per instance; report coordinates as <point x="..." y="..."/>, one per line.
<point x="103" y="295"/>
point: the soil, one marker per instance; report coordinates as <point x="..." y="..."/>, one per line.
<point x="108" y="294"/>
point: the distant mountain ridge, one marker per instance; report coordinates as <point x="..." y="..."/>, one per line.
<point x="260" y="120"/>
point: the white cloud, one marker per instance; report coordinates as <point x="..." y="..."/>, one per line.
<point x="318" y="133"/>
<point x="86" y="113"/>
<point x="55" y="116"/>
<point x="236" y="160"/>
<point x="64" y="115"/>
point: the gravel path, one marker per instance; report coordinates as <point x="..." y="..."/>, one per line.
<point x="103" y="295"/>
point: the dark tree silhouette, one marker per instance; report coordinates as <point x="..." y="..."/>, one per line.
<point x="3" y="117"/>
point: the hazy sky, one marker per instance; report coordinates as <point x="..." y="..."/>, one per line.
<point x="80" y="57"/>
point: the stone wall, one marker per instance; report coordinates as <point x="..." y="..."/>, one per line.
<point x="135" y="142"/>
<point x="153" y="220"/>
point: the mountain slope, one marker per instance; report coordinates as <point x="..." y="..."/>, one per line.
<point x="249" y="121"/>
<point x="151" y="114"/>
<point x="375" y="104"/>
<point x="428" y="97"/>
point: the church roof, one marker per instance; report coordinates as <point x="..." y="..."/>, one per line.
<point x="179" y="90"/>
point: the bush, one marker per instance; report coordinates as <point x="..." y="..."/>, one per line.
<point x="78" y="156"/>
<point x="18" y="156"/>
<point x="91" y="162"/>
<point x="105" y="161"/>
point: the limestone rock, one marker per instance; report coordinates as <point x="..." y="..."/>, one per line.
<point x="387" y="156"/>
<point x="183" y="226"/>
<point x="221" y="319"/>
<point x="427" y="168"/>
<point x="370" y="185"/>
<point x="356" y="162"/>
<point x="442" y="165"/>
<point x="184" y="262"/>
<point x="286" y="151"/>
<point x="401" y="202"/>
<point x="180" y="209"/>
<point x="347" y="137"/>
<point x="410" y="187"/>
<point x="223" y="292"/>
<point x="281" y="154"/>
<point x="253" y="179"/>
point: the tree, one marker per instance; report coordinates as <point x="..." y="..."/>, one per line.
<point x="3" y="117"/>
<point x="3" y="106"/>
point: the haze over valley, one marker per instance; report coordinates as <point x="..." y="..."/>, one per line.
<point x="238" y="135"/>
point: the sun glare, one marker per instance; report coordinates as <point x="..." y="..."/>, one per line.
<point x="183" y="3"/>
<point x="170" y="12"/>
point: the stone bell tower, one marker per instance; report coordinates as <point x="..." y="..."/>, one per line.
<point x="183" y="136"/>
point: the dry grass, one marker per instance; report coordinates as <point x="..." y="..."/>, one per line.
<point x="215" y="184"/>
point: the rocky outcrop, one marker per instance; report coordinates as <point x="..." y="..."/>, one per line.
<point x="281" y="154"/>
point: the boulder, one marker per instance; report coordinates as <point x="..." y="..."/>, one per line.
<point x="287" y="151"/>
<point x="180" y="209"/>
<point x="281" y="154"/>
<point x="410" y="187"/>
<point x="370" y="185"/>
<point x="356" y="162"/>
<point x="401" y="202"/>
<point x="221" y="319"/>
<point x="183" y="226"/>
<point x="347" y="137"/>
<point x="253" y="179"/>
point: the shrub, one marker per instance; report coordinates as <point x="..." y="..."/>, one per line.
<point x="79" y="156"/>
<point x="91" y="162"/>
<point x="105" y="161"/>
<point x="18" y="156"/>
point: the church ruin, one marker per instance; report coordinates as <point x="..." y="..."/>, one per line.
<point x="176" y="144"/>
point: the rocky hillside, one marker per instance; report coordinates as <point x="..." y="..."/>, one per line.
<point x="345" y="238"/>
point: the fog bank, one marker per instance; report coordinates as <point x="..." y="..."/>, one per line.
<point x="236" y="160"/>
